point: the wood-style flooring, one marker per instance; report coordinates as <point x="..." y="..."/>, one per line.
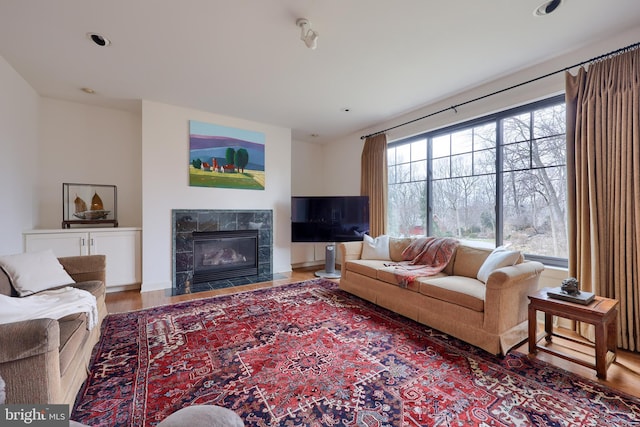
<point x="623" y="374"/>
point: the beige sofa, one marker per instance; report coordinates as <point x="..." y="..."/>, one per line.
<point x="45" y="360"/>
<point x="492" y="316"/>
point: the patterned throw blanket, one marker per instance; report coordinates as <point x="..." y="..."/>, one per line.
<point x="425" y="256"/>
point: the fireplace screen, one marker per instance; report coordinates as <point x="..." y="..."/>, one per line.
<point x="219" y="255"/>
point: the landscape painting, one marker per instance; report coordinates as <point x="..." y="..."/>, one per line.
<point x="221" y="156"/>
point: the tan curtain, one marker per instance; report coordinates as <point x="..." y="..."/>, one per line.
<point x="373" y="182"/>
<point x="603" y="169"/>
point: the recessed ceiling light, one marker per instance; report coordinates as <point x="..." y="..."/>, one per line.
<point x="547" y="7"/>
<point x="88" y="90"/>
<point x="346" y="109"/>
<point x="99" y="39"/>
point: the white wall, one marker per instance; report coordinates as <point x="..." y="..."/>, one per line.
<point x="165" y="185"/>
<point x="308" y="171"/>
<point x="18" y="158"/>
<point x="90" y="145"/>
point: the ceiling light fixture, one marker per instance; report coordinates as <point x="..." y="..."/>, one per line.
<point x="99" y="39"/>
<point x="88" y="90"/>
<point x="307" y="35"/>
<point x="547" y="7"/>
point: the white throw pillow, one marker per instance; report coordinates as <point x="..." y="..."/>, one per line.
<point x="33" y="272"/>
<point x="377" y="248"/>
<point x="500" y="257"/>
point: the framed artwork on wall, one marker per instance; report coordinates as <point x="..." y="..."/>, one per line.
<point x="225" y="157"/>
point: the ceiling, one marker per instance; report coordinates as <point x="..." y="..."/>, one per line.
<point x="377" y="59"/>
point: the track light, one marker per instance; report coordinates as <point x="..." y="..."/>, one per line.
<point x="307" y="35"/>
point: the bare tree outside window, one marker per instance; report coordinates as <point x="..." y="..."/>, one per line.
<point x="446" y="183"/>
<point x="535" y="182"/>
<point x="407" y="189"/>
<point x="463" y="185"/>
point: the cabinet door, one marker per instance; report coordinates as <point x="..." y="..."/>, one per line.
<point x="302" y="253"/>
<point x="122" y="249"/>
<point x="62" y="244"/>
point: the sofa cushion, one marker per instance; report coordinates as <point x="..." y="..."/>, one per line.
<point x="377" y="248"/>
<point x="397" y="245"/>
<point x="463" y="291"/>
<point x="33" y="272"/>
<point x="468" y="260"/>
<point x="500" y="257"/>
<point x="73" y="334"/>
<point x="366" y="267"/>
<point x="388" y="275"/>
<point x="94" y="287"/>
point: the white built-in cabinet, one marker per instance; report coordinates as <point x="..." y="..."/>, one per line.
<point x="307" y="254"/>
<point x="122" y="246"/>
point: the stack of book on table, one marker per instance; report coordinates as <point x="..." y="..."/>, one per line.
<point x="581" y="298"/>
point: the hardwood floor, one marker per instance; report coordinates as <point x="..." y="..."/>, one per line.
<point x="623" y="374"/>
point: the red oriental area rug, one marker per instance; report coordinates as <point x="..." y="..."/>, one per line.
<point x="309" y="354"/>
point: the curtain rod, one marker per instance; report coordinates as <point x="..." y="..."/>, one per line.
<point x="454" y="107"/>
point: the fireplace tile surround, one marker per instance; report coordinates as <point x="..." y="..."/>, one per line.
<point x="186" y="221"/>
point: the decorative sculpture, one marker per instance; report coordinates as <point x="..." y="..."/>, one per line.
<point x="571" y="286"/>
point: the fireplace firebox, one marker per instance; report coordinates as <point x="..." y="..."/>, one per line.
<point x="219" y="255"/>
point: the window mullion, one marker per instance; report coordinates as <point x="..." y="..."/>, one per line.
<point x="499" y="183"/>
<point x="429" y="187"/>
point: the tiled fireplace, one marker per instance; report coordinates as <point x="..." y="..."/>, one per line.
<point x="215" y="249"/>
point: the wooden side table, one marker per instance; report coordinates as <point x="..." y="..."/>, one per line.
<point x="602" y="313"/>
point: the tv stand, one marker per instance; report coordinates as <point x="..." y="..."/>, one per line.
<point x="329" y="271"/>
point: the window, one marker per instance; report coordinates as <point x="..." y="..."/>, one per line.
<point x="497" y="180"/>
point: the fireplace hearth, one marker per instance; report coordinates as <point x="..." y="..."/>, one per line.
<point x="214" y="267"/>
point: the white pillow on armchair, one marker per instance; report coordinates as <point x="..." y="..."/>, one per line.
<point x="33" y="272"/>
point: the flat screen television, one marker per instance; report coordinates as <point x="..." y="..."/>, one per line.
<point x="329" y="218"/>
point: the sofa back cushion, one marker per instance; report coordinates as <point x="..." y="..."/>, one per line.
<point x="397" y="245"/>
<point x="468" y="260"/>
<point x="448" y="269"/>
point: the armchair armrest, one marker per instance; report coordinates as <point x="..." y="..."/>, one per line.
<point x="30" y="361"/>
<point x="85" y="268"/>
<point x="20" y="340"/>
<point x="507" y="288"/>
